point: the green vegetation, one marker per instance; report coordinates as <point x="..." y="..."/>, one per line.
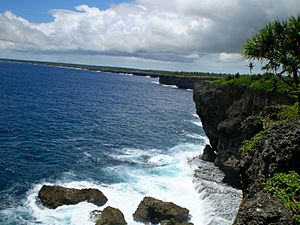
<point x="267" y="82"/>
<point x="290" y="112"/>
<point x="286" y="187"/>
<point x="283" y="113"/>
<point x="278" y="44"/>
<point x="250" y="145"/>
<point x="138" y="72"/>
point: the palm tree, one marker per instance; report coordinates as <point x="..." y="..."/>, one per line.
<point x="251" y="66"/>
<point x="278" y="43"/>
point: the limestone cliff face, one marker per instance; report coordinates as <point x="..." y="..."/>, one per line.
<point x="277" y="152"/>
<point x="221" y="109"/>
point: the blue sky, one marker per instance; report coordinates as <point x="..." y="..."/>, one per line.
<point x="39" y="10"/>
<point x="184" y="35"/>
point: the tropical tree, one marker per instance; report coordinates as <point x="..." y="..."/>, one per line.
<point x="278" y="45"/>
<point x="251" y="66"/>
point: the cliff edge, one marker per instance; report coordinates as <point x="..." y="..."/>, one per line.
<point x="231" y="114"/>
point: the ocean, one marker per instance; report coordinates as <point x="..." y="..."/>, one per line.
<point x="125" y="135"/>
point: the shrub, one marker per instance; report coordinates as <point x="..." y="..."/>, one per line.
<point x="290" y="112"/>
<point x="250" y="145"/>
<point x="286" y="187"/>
<point x="267" y="82"/>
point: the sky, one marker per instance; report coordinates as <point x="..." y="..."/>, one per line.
<point x="181" y="35"/>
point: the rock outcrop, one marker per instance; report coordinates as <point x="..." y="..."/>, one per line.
<point x="221" y="109"/>
<point x="152" y="210"/>
<point x="229" y="116"/>
<point x="111" y="216"/>
<point x="208" y="154"/>
<point x="263" y="209"/>
<point x="55" y="196"/>
<point x="182" y="82"/>
<point x="171" y="222"/>
<point x="277" y="152"/>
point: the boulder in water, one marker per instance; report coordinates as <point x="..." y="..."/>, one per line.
<point x="171" y="222"/>
<point x="154" y="211"/>
<point x="111" y="216"/>
<point x="55" y="196"/>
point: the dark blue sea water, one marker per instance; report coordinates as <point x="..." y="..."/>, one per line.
<point x="126" y="135"/>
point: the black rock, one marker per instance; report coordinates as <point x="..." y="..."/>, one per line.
<point x="209" y="154"/>
<point x="111" y="216"/>
<point x="153" y="210"/>
<point x="222" y="109"/>
<point x="262" y="209"/>
<point x="55" y="196"/>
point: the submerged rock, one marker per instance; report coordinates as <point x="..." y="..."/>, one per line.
<point x="154" y="211"/>
<point x="55" y="196"/>
<point x="111" y="216"/>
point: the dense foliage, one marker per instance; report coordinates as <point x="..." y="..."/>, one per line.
<point x="267" y="82"/>
<point x="278" y="43"/>
<point x="290" y="112"/>
<point x="286" y="187"/>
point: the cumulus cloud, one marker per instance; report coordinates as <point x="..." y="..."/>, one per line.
<point x="175" y="31"/>
<point x="229" y="57"/>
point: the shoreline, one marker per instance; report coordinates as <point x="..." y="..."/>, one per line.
<point x="183" y="80"/>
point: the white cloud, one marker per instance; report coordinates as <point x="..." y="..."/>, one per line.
<point x="230" y="57"/>
<point x="165" y="30"/>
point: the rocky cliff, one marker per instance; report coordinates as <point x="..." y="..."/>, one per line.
<point x="221" y="109"/>
<point x="277" y="151"/>
<point x="182" y="82"/>
<point x="229" y="117"/>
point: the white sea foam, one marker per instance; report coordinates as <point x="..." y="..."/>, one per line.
<point x="195" y="136"/>
<point x="155" y="82"/>
<point x="195" y="115"/>
<point x="197" y="123"/>
<point x="169" y="177"/>
<point x="171" y="86"/>
<point x="197" y="120"/>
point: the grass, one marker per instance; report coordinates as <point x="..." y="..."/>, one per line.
<point x="286" y="187"/>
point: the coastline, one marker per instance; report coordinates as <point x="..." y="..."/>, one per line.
<point x="183" y="80"/>
<point x="147" y="171"/>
